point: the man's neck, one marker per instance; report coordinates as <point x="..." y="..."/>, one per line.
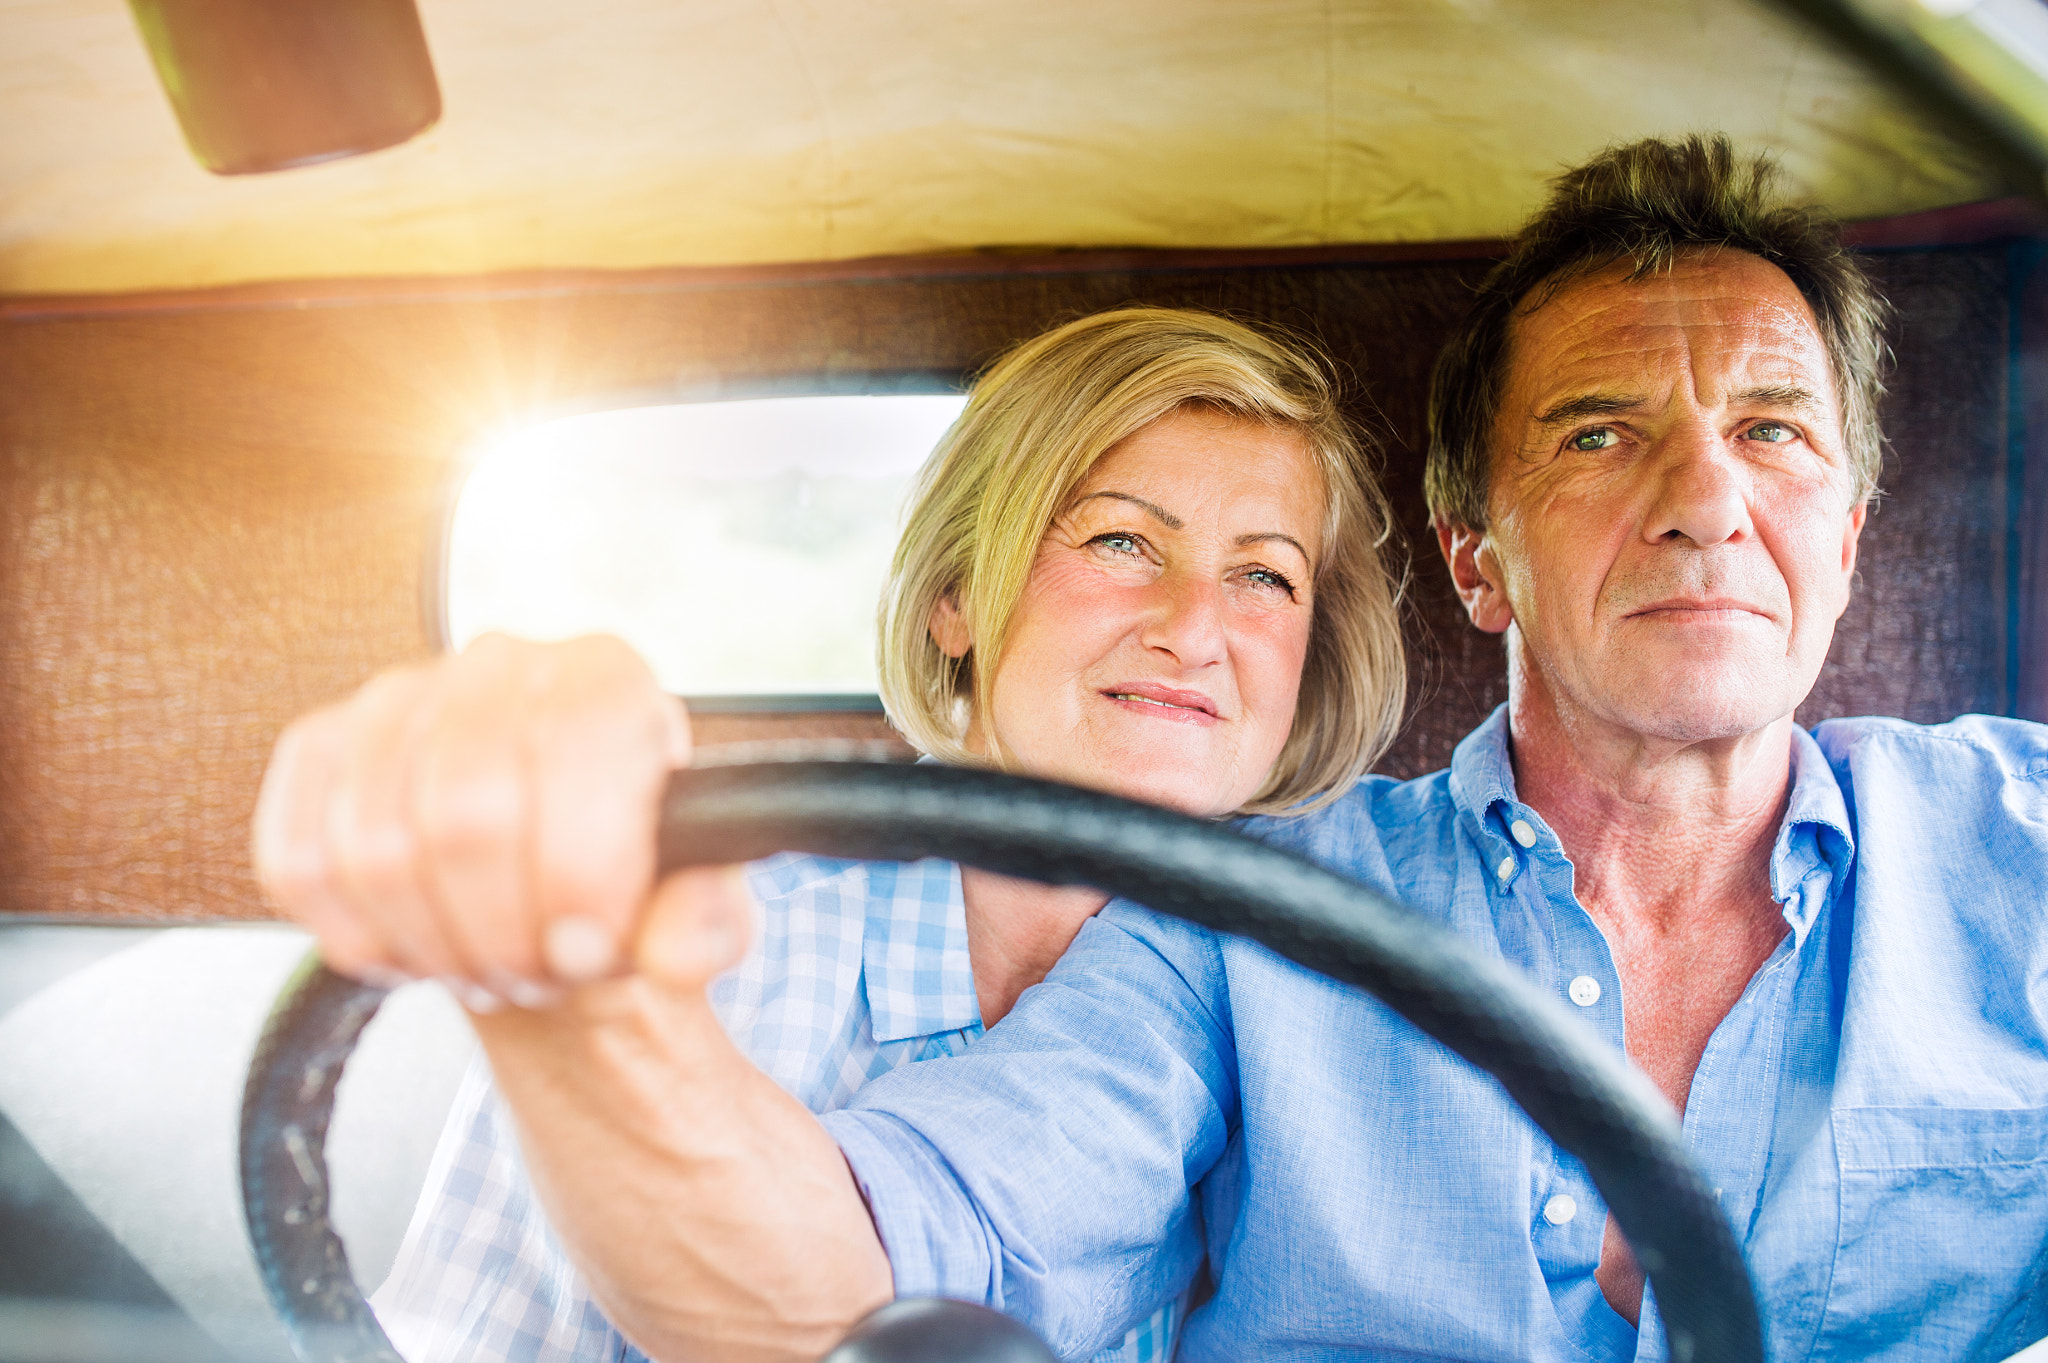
<point x="1655" y="826"/>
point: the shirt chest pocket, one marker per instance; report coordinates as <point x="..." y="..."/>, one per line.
<point x="1944" y="1222"/>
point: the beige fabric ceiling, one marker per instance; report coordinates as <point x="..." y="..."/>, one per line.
<point x="623" y="133"/>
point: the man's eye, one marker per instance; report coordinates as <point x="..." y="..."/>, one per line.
<point x="1770" y="432"/>
<point x="1601" y="439"/>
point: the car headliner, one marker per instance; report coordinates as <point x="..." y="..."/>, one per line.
<point x="643" y="133"/>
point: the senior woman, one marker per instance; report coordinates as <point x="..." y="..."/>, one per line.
<point x="1145" y="559"/>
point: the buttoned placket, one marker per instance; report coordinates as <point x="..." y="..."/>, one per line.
<point x="1727" y="1127"/>
<point x="1731" y="1107"/>
<point x="1531" y="875"/>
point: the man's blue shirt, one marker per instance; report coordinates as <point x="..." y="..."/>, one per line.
<point x="1873" y="1111"/>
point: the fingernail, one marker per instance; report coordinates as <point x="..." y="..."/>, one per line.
<point x="475" y="999"/>
<point x="579" y="949"/>
<point x="524" y="993"/>
<point x="383" y="977"/>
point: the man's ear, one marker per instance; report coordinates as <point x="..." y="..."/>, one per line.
<point x="949" y="628"/>
<point x="1476" y="575"/>
<point x="1853" y="534"/>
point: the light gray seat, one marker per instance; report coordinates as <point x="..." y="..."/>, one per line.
<point x="122" y="1055"/>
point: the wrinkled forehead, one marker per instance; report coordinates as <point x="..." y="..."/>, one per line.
<point x="1711" y="326"/>
<point x="1201" y="467"/>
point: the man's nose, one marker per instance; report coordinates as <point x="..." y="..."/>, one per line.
<point x="1187" y="619"/>
<point x="1700" y="492"/>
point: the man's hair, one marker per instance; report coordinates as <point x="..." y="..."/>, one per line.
<point x="1038" y="419"/>
<point x="1648" y="203"/>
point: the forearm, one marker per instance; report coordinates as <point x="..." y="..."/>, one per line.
<point x="712" y="1216"/>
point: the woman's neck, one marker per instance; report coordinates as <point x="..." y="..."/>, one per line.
<point x="1016" y="930"/>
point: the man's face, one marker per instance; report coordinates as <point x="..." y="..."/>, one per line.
<point x="1673" y="527"/>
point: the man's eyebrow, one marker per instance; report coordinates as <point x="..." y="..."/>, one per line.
<point x="1155" y="511"/>
<point x="1589" y="404"/>
<point x="1269" y="536"/>
<point x="1789" y="395"/>
<point x="1779" y="395"/>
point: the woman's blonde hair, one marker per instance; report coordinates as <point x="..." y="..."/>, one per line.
<point x="1036" y="422"/>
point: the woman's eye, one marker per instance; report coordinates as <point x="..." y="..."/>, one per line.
<point x="1119" y="543"/>
<point x="1266" y="577"/>
<point x="1770" y="432"/>
<point x="1601" y="439"/>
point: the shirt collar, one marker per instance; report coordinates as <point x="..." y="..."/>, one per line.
<point x="914" y="962"/>
<point x="1481" y="774"/>
<point x="1814" y="839"/>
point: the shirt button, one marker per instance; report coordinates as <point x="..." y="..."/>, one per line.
<point x="1560" y="1209"/>
<point x="1585" y="991"/>
<point x="1505" y="870"/>
<point x="1524" y="834"/>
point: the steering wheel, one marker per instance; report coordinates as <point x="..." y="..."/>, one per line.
<point x="1582" y="1093"/>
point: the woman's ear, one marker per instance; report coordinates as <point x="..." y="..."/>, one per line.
<point x="949" y="628"/>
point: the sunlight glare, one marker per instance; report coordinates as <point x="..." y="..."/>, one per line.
<point x="740" y="546"/>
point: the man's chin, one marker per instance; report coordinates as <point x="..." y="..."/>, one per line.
<point x="1691" y="714"/>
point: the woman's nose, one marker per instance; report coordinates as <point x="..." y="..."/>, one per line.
<point x="1700" y="493"/>
<point x="1186" y="620"/>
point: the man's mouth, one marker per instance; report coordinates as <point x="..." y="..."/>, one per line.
<point x="1701" y="606"/>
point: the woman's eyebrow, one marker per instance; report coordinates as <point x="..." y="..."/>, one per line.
<point x="1267" y="536"/>
<point x="1173" y="522"/>
<point x="1155" y="511"/>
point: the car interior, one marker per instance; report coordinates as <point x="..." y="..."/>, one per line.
<point x="276" y="414"/>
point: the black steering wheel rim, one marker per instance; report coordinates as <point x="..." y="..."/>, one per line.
<point x="1581" y="1092"/>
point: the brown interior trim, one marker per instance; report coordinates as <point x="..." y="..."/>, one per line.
<point x="2032" y="700"/>
<point x="215" y="520"/>
<point x="1975" y="224"/>
<point x="525" y="284"/>
<point x="2030" y="612"/>
<point x="1963" y="224"/>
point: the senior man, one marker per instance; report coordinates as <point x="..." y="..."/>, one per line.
<point x="1653" y="446"/>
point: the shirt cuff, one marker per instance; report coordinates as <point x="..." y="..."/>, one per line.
<point x="938" y="1243"/>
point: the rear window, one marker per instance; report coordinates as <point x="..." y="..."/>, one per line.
<point x="741" y="546"/>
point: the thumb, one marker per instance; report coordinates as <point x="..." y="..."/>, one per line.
<point x="698" y="924"/>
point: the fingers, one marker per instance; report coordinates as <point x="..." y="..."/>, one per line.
<point x="699" y="924"/>
<point x="488" y="819"/>
<point x="594" y="828"/>
<point x="373" y="843"/>
<point x="290" y="847"/>
<point x="472" y="804"/>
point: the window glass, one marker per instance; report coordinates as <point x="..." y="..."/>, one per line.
<point x="740" y="546"/>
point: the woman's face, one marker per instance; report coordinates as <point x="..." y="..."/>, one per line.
<point x="1158" y="647"/>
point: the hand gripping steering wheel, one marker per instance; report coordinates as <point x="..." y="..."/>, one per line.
<point x="1580" y="1091"/>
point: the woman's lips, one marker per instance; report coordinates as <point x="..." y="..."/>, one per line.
<point x="1163" y="702"/>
